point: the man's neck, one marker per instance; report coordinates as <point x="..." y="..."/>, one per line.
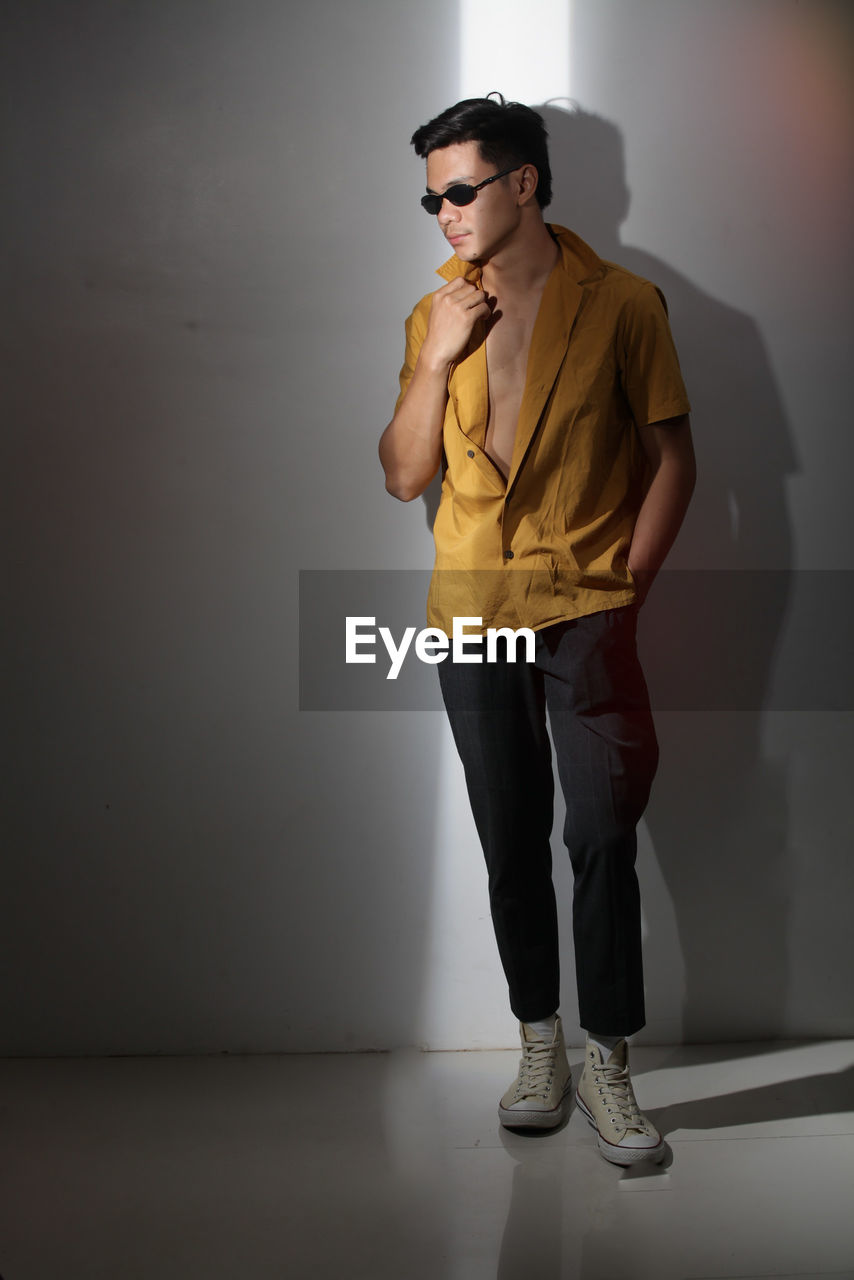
<point x="524" y="263"/>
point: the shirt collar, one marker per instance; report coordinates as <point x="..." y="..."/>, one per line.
<point x="578" y="259"/>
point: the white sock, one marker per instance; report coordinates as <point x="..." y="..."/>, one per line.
<point x="545" y="1028"/>
<point x="605" y="1044"/>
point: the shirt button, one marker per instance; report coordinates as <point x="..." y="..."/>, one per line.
<point x="471" y="453"/>
<point x="508" y="555"/>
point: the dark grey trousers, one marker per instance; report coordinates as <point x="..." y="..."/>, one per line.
<point x="587" y="676"/>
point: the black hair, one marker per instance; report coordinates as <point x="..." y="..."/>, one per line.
<point x="508" y="134"/>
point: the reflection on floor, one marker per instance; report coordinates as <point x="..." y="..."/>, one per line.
<point x="382" y="1166"/>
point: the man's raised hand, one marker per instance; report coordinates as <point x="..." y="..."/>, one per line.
<point x="454" y="311"/>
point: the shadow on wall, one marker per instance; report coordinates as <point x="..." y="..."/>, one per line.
<point x="709" y="632"/>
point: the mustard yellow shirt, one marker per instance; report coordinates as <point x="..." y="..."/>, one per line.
<point x="551" y="542"/>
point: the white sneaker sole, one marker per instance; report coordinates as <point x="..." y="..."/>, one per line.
<point x="536" y="1117"/>
<point x="616" y="1154"/>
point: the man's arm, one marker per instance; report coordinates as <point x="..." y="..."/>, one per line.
<point x="670" y="453"/>
<point x="411" y="445"/>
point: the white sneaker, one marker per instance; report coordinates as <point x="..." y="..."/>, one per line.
<point x="606" y="1098"/>
<point x="539" y="1097"/>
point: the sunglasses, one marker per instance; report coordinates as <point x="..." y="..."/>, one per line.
<point x="460" y="194"/>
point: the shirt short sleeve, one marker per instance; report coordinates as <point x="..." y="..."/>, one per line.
<point x="416" y="331"/>
<point x="649" y="366"/>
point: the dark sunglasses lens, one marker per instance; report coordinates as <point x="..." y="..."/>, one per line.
<point x="459" y="195"/>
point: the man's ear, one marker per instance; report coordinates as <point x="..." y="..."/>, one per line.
<point x="528" y="181"/>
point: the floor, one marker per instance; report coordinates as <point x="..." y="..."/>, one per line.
<point x="394" y="1165"/>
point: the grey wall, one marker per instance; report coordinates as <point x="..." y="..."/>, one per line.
<point x="215" y="234"/>
<point x="211" y="214"/>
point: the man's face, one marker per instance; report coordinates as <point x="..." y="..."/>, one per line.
<point x="474" y="231"/>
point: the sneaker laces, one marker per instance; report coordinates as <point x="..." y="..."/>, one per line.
<point x="617" y="1084"/>
<point x="536" y="1068"/>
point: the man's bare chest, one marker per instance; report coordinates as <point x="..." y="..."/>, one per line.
<point x="507" y="346"/>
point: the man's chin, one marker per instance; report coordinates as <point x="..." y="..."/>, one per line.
<point x="466" y="253"/>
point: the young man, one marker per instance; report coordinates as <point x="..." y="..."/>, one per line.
<point x="545" y="382"/>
